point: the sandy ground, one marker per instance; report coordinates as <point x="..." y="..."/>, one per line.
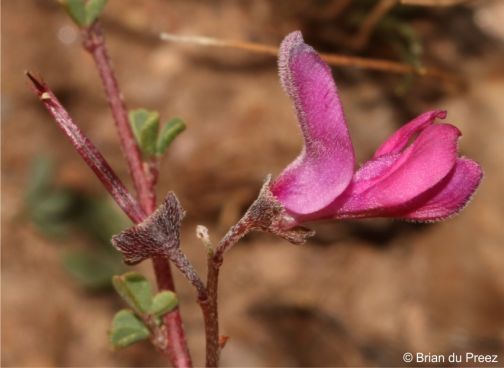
<point x="359" y="293"/>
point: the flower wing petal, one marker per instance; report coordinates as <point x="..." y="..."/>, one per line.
<point x="324" y="168"/>
<point x="397" y="141"/>
<point x="404" y="177"/>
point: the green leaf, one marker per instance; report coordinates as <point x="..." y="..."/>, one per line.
<point x="163" y="302"/>
<point x="135" y="289"/>
<point x="100" y="219"/>
<point x="93" y="10"/>
<point x="41" y="175"/>
<point x="55" y="205"/>
<point x="76" y="9"/>
<point x="145" y="126"/>
<point x="51" y="211"/>
<point x="83" y="12"/>
<point x="92" y="270"/>
<point x="127" y="329"/>
<point x="168" y="133"/>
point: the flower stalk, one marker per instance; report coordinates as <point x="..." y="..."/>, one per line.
<point x="265" y="214"/>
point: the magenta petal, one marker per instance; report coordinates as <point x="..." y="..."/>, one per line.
<point x="324" y="168"/>
<point x="397" y="141"/>
<point x="450" y="196"/>
<point x="420" y="167"/>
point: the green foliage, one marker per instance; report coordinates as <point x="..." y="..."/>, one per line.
<point x="163" y="302"/>
<point x="151" y="141"/>
<point x="48" y="208"/>
<point x="168" y="133"/>
<point x="127" y="329"/>
<point x="127" y="325"/>
<point x="57" y="211"/>
<point x="145" y="125"/>
<point x="93" y="9"/>
<point x="135" y="289"/>
<point x="84" y="12"/>
<point x="92" y="270"/>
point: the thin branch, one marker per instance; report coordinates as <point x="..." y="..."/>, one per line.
<point x="94" y="42"/>
<point x="209" y="308"/>
<point x="434" y="2"/>
<point x="266" y="214"/>
<point x="88" y="152"/>
<point x="176" y="344"/>
<point x="209" y="305"/>
<point x="370" y="22"/>
<point x="144" y="176"/>
<point x="332" y="59"/>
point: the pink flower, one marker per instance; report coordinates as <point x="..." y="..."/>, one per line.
<point x="415" y="175"/>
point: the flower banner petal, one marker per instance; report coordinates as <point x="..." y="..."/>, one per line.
<point x="324" y="168"/>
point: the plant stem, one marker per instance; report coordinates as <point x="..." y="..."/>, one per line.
<point x="144" y="178"/>
<point x="176" y="347"/>
<point x="173" y="344"/>
<point x="94" y="42"/>
<point x="88" y="152"/>
<point x="209" y="305"/>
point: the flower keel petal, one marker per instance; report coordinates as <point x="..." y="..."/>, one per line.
<point x="450" y="196"/>
<point x="419" y="168"/>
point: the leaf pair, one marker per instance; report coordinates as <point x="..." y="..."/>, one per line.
<point x="128" y="324"/>
<point x="151" y="140"/>
<point x="84" y="12"/>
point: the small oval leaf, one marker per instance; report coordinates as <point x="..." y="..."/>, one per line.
<point x="76" y="9"/>
<point x="93" y="10"/>
<point x="83" y="12"/>
<point x="168" y="133"/>
<point x="145" y="126"/>
<point x="135" y="289"/>
<point x="163" y="302"/>
<point x="127" y="329"/>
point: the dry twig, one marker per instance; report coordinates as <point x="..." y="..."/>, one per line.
<point x="383" y="65"/>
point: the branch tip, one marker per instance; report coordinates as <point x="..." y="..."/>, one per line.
<point x="39" y="85"/>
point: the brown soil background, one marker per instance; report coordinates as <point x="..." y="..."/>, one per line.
<point x="359" y="293"/>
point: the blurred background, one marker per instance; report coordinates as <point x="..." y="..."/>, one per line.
<point x="360" y="293"/>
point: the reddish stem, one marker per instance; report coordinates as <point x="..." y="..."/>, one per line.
<point x="175" y="347"/>
<point x="144" y="177"/>
<point x="209" y="308"/>
<point x="209" y="302"/>
<point x="94" y="42"/>
<point x="88" y="152"/>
